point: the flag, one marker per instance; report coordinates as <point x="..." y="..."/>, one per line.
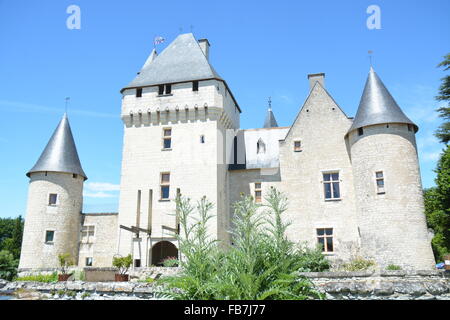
<point x="158" y="40"/>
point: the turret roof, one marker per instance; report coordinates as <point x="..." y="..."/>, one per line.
<point x="377" y="106"/>
<point x="60" y="154"/>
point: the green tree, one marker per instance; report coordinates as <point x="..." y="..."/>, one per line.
<point x="8" y="265"/>
<point x="14" y="243"/>
<point x="437" y="207"/>
<point x="443" y="132"/>
<point x="260" y="264"/>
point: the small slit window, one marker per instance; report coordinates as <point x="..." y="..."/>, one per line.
<point x="202" y="139"/>
<point x="195" y="86"/>
<point x="258" y="192"/>
<point x="409" y="127"/>
<point x="52" y="199"/>
<point x="138" y="92"/>
<point x="167" y="138"/>
<point x="260" y="147"/>
<point x="165" y="185"/>
<point x="49" y="236"/>
<point x="379" y="178"/>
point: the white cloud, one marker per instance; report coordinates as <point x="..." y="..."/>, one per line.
<point x="102" y="186"/>
<point x="98" y="195"/>
<point x="430" y="156"/>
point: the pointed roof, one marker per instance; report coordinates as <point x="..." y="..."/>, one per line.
<point x="183" y="60"/>
<point x="377" y="106"/>
<point x="60" y="154"/>
<point x="270" y="121"/>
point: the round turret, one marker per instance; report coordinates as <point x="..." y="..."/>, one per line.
<point x="55" y="202"/>
<point x="388" y="188"/>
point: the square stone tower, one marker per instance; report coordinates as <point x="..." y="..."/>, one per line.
<point x="176" y="116"/>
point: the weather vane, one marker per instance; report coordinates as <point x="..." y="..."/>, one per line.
<point x="370" y="56"/>
<point x="67" y="102"/>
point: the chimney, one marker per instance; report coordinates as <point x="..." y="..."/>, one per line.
<point x="204" y="45"/>
<point x="313" y="78"/>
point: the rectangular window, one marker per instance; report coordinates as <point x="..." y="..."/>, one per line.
<point x="379" y="178"/>
<point x="195" y="86"/>
<point x="168" y="89"/>
<point x="165" y="185"/>
<point x="49" y="235"/>
<point x="52" y="198"/>
<point x="87" y="234"/>
<point x="137" y="263"/>
<point x="258" y="192"/>
<point x="297" y="146"/>
<point x="167" y="138"/>
<point x="360" y="131"/>
<point x="74" y="175"/>
<point x="325" y="239"/>
<point x="331" y="186"/>
<point x="161" y="90"/>
<point x="409" y="127"/>
<point x="89" y="261"/>
<point x="138" y="92"/>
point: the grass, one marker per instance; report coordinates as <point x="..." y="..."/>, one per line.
<point x="46" y="278"/>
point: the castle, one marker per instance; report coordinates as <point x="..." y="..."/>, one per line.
<point x="353" y="184"/>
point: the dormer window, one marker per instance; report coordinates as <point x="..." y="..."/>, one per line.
<point x="164" y="89"/>
<point x="195" y="86"/>
<point x="360" y="131"/>
<point x="260" y="147"/>
<point x="138" y="92"/>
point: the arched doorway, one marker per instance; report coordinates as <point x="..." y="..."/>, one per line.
<point x="163" y="250"/>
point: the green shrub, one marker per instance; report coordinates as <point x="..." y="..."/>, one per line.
<point x="261" y="264"/>
<point x="85" y="295"/>
<point x="8" y="265"/>
<point x="123" y="263"/>
<point x="65" y="261"/>
<point x="393" y="267"/>
<point x="358" y="264"/>
<point x="170" y="262"/>
<point x="47" y="278"/>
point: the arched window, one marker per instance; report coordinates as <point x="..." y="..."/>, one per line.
<point x="260" y="147"/>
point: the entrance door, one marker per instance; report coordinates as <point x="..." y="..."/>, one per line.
<point x="163" y="250"/>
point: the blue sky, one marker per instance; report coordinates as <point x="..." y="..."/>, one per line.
<point x="261" y="48"/>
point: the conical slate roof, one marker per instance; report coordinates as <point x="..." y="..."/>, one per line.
<point x="270" y="121"/>
<point x="60" y="154"/>
<point x="377" y="106"/>
<point x="183" y="60"/>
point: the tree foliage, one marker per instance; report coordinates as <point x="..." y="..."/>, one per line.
<point x="443" y="132"/>
<point x="8" y="265"/>
<point x="437" y="207"/>
<point x="260" y="264"/>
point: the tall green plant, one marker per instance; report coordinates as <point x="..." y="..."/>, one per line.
<point x="260" y="264"/>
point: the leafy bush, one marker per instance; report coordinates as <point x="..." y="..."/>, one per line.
<point x="8" y="265"/>
<point x="170" y="262"/>
<point x="47" y="278"/>
<point x="358" y="264"/>
<point x="123" y="263"/>
<point x="393" y="267"/>
<point x="65" y="261"/>
<point x="261" y="264"/>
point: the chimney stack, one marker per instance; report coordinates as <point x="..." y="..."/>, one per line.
<point x="204" y="45"/>
<point x="313" y="78"/>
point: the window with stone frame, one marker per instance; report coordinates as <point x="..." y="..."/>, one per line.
<point x="87" y="234"/>
<point x="52" y="199"/>
<point x="331" y="186"/>
<point x="165" y="185"/>
<point x="379" y="179"/>
<point x="297" y="146"/>
<point x="167" y="138"/>
<point x="49" y="236"/>
<point x="89" y="261"/>
<point x="258" y="192"/>
<point x="325" y="239"/>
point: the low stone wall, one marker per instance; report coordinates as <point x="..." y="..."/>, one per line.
<point x="385" y="285"/>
